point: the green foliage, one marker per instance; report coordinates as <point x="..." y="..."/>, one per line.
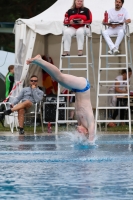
<point x="14" y="9"/>
<point x="11" y="10"/>
<point x="7" y="41"/>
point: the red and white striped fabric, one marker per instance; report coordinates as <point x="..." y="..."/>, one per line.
<point x="14" y="88"/>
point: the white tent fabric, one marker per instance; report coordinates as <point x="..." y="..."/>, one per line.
<point x="2" y="90"/>
<point x="42" y="35"/>
<point x="50" y="21"/>
<point x="6" y="59"/>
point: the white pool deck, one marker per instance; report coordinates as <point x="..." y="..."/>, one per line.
<point x="8" y="133"/>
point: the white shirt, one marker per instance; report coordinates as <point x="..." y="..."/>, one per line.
<point x="122" y="84"/>
<point x="118" y="16"/>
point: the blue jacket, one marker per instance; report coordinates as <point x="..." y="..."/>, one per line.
<point x="34" y="95"/>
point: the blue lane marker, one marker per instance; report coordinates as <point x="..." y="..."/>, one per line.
<point x="79" y="160"/>
<point x="31" y="143"/>
<point x="67" y="143"/>
<point x="34" y="153"/>
<point x="115" y="142"/>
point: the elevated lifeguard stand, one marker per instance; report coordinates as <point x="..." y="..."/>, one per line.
<point x="104" y="82"/>
<point x="74" y="66"/>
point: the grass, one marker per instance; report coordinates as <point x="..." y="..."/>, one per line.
<point x="30" y="129"/>
<point x="62" y="128"/>
<point x="117" y="128"/>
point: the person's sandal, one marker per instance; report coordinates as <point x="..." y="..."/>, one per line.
<point x="21" y="131"/>
<point x="122" y="124"/>
<point x="66" y="53"/>
<point x="111" y="124"/>
<point x="7" y="112"/>
<point x="80" y="53"/>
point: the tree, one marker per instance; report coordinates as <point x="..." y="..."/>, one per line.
<point x="14" y="9"/>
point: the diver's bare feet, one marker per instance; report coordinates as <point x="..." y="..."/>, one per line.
<point x="31" y="59"/>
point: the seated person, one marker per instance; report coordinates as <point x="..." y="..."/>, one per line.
<point x="119" y="87"/>
<point x="75" y="18"/>
<point x="117" y="16"/>
<point x="51" y="86"/>
<point x="28" y="96"/>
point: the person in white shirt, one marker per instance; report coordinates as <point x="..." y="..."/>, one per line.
<point x="119" y="87"/>
<point x="117" y="17"/>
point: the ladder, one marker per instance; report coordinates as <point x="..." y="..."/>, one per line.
<point x="72" y="66"/>
<point x="105" y="82"/>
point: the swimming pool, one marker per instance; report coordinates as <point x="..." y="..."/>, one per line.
<point x="50" y="167"/>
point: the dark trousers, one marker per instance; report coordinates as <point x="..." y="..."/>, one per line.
<point x="120" y="102"/>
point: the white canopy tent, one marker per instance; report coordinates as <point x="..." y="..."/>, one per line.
<point x="50" y="21"/>
<point x="6" y="59"/>
<point x="42" y="33"/>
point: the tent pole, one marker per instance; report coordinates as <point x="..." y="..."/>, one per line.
<point x="46" y="45"/>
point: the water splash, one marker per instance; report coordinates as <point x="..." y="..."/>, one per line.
<point x="80" y="140"/>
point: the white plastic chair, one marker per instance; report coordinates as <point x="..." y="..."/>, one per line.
<point x="12" y="119"/>
<point x="33" y="112"/>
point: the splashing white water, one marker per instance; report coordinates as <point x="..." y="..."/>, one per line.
<point x="79" y="138"/>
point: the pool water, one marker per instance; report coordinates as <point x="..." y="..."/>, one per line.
<point x="59" y="167"/>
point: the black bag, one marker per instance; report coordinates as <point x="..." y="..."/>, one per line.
<point x="123" y="102"/>
<point x="2" y="117"/>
